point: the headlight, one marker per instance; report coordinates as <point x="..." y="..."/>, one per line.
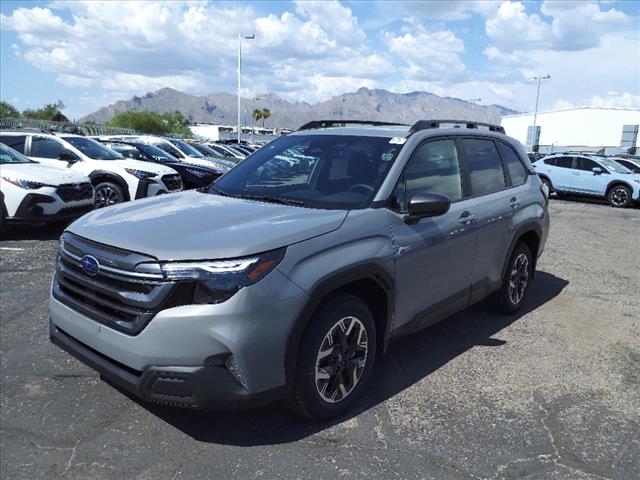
<point x="140" y="174"/>
<point x="218" y="280"/>
<point x="26" y="184"/>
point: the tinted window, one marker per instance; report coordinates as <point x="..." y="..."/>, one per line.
<point x="8" y="155"/>
<point x="318" y="171"/>
<point x="93" y="149"/>
<point x="631" y="166"/>
<point x="516" y="169"/>
<point x="485" y="166"/>
<point x="550" y="161"/>
<point x="586" y="164"/>
<point x="157" y="153"/>
<point x="433" y="168"/>
<point x="170" y="149"/>
<point x="186" y="148"/>
<point x="14" y="141"/>
<point x="46" y="147"/>
<point x="564" y="162"/>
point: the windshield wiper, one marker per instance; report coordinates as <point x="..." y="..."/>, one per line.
<point x="272" y="199"/>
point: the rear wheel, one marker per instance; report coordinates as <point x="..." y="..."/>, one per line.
<point x="337" y="354"/>
<point x="515" y="283"/>
<point x="619" y="196"/>
<point x="547" y="182"/>
<point x="106" y="194"/>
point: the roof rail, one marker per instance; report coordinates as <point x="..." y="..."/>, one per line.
<point x="428" y="124"/>
<point x="343" y="123"/>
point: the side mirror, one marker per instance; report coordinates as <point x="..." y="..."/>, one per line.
<point x="422" y="205"/>
<point x="68" y="156"/>
<point x="597" y="170"/>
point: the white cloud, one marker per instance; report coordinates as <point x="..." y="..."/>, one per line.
<point x="616" y="100"/>
<point x="74" y="80"/>
<point x="129" y="82"/>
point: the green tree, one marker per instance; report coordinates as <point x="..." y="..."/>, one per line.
<point x="266" y="113"/>
<point x="8" y="111"/>
<point x="51" y="111"/>
<point x="257" y="115"/>
<point x="152" y="122"/>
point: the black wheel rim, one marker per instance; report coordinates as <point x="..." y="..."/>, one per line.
<point x="341" y="359"/>
<point x="519" y="279"/>
<point x="106" y="196"/>
<point x="619" y="196"/>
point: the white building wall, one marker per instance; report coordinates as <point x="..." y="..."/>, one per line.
<point x="586" y="127"/>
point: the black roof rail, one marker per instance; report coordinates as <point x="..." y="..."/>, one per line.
<point x="342" y="123"/>
<point x="428" y="124"/>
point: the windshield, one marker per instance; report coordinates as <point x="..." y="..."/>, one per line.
<point x="157" y="153"/>
<point x="170" y="149"/>
<point x="614" y="166"/>
<point x="186" y="148"/>
<point x="93" y="149"/>
<point x="9" y="155"/>
<point x="317" y="171"/>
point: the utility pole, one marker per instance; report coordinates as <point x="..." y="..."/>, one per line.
<point x="240" y="37"/>
<point x="473" y="109"/>
<point x="539" y="78"/>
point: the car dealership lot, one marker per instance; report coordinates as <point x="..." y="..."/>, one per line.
<point x="553" y="392"/>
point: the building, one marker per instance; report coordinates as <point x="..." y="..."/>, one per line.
<point x="584" y="128"/>
<point x="221" y="133"/>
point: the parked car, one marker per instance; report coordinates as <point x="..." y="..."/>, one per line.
<point x="589" y="175"/>
<point x="31" y="192"/>
<point x="227" y="152"/>
<point x="193" y="176"/>
<point x="192" y="152"/>
<point x="261" y="289"/>
<point x="630" y="163"/>
<point x="114" y="178"/>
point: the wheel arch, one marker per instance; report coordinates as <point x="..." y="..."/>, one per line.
<point x="615" y="183"/>
<point x="99" y="176"/>
<point x="531" y="235"/>
<point x="371" y="283"/>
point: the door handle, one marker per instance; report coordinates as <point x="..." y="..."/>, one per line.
<point x="514" y="203"/>
<point x="467" y="218"/>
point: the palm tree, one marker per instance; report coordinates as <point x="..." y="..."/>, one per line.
<point x="257" y="115"/>
<point x="265" y="114"/>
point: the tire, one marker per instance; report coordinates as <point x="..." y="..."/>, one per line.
<point x="619" y="196"/>
<point x="547" y="182"/>
<point x="107" y="194"/>
<point x="516" y="281"/>
<point x="347" y="361"/>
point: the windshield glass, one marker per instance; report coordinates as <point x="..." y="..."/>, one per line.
<point x="93" y="149"/>
<point x="9" y="155"/>
<point x="157" y="153"/>
<point x="186" y="148"/>
<point x="614" y="166"/>
<point x="317" y="171"/>
<point x="170" y="149"/>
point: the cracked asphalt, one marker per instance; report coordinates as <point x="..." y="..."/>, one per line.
<point x="550" y="393"/>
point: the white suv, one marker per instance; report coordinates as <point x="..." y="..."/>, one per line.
<point x="30" y="192"/>
<point x="114" y="178"/>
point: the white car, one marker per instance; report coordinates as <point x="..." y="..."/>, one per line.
<point x="114" y="178"/>
<point x="31" y="192"/>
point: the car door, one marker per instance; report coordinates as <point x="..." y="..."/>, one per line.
<point x="47" y="150"/>
<point x="562" y="175"/>
<point x="495" y="205"/>
<point x="434" y="256"/>
<point x="590" y="182"/>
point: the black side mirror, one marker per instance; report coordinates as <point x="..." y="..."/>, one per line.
<point x="596" y="170"/>
<point x="68" y="156"/>
<point x="422" y="205"/>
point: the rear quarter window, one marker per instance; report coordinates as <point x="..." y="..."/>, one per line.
<point x="517" y="171"/>
<point x="14" y="141"/>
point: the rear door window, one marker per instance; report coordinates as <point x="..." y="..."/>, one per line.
<point x="14" y="141"/>
<point x="46" y="147"/>
<point x="485" y="167"/>
<point x="514" y="165"/>
<point x="564" y="162"/>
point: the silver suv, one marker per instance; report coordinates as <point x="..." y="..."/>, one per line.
<point x="289" y="276"/>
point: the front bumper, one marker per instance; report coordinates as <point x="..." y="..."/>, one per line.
<point x="36" y="207"/>
<point x="209" y="386"/>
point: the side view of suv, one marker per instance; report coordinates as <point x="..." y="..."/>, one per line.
<point x="114" y="178"/>
<point x="290" y="287"/>
<point x="589" y="175"/>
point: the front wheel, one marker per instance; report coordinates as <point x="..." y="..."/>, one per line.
<point x="619" y="196"/>
<point x="106" y="194"/>
<point x="515" y="283"/>
<point x="337" y="354"/>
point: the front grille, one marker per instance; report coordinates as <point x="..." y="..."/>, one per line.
<point x="117" y="296"/>
<point x="173" y="182"/>
<point x="73" y="192"/>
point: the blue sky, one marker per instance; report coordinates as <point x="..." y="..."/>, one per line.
<point x="89" y="54"/>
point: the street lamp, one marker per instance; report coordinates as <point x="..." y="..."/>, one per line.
<point x="240" y="37"/>
<point x="473" y="109"/>
<point x="539" y="78"/>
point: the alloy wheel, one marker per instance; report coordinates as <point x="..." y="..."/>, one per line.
<point x="619" y="196"/>
<point x="106" y="196"/>
<point x="519" y="279"/>
<point x="341" y="359"/>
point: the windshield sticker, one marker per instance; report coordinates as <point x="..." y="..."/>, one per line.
<point x="398" y="140"/>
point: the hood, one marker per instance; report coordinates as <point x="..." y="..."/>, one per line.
<point x="139" y="165"/>
<point x="199" y="226"/>
<point x="37" y="172"/>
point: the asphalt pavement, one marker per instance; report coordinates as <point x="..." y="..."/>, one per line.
<point x="550" y="393"/>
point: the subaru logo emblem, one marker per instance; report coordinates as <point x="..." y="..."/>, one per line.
<point x="89" y="265"/>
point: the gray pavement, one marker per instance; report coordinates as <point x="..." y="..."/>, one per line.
<point x="550" y="393"/>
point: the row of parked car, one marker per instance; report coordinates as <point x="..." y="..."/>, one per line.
<point x="54" y="177"/>
<point x="615" y="178"/>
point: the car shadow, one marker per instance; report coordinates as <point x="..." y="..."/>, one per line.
<point x="408" y="360"/>
<point x="33" y="231"/>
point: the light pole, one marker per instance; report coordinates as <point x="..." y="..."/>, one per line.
<point x="539" y="78"/>
<point x="240" y="37"/>
<point x="473" y="109"/>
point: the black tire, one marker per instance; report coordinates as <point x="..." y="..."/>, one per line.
<point x="619" y="196"/>
<point x="506" y="300"/>
<point x="547" y="182"/>
<point x="108" y="193"/>
<point x="307" y="396"/>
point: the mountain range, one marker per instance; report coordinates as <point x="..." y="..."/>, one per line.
<point x="380" y="105"/>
